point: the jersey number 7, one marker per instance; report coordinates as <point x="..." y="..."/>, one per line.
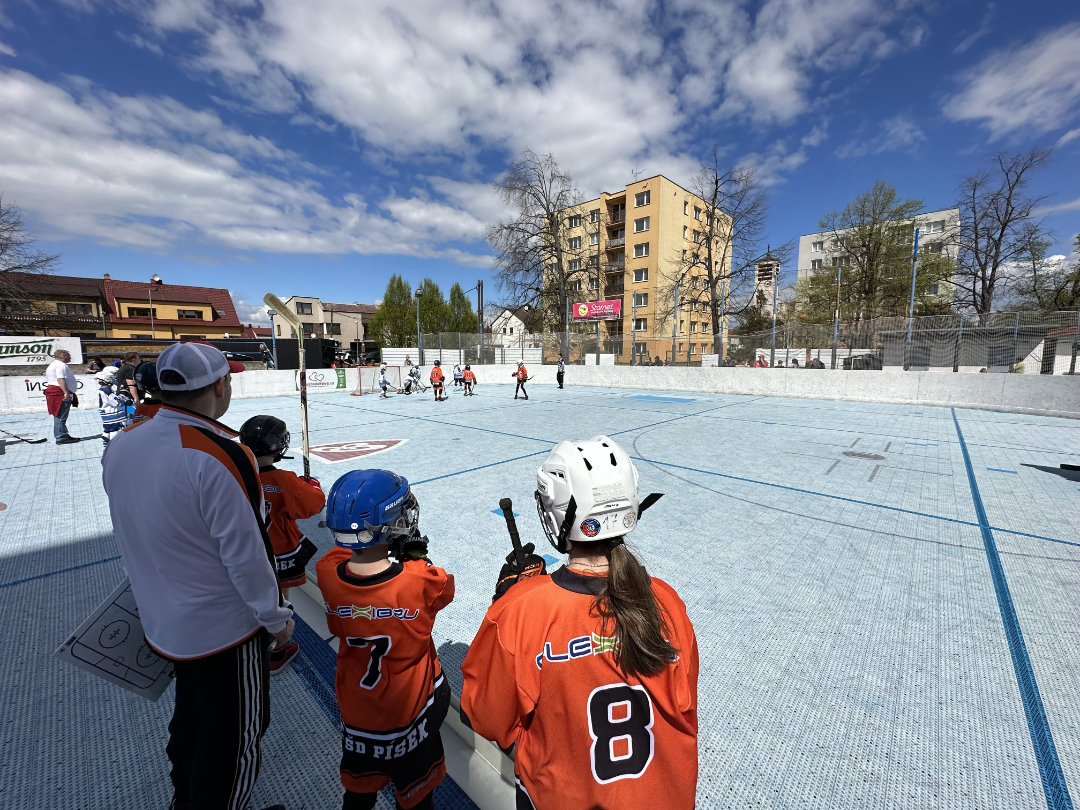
<point x="380" y="646"/>
<point x="620" y="724"/>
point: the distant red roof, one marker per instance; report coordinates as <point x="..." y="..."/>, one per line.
<point x="250" y="331"/>
<point x="218" y="299"/>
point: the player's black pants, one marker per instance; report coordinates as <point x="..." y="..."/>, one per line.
<point x="559" y="377"/>
<point x="222" y="711"/>
<point x="520" y="387"/>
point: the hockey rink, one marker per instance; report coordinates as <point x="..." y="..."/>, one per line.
<point x="885" y="596"/>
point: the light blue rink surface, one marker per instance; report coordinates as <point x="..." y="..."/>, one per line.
<point x="885" y="596"/>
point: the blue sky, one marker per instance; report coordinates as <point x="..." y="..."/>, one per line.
<point x="317" y="147"/>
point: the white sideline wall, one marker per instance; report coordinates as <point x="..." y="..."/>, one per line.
<point x="1017" y="393"/>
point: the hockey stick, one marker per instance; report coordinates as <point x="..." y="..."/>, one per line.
<point x="291" y="318"/>
<point x="507" y="507"/>
<point x="21" y="439"/>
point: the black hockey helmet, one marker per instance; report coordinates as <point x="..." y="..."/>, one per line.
<point x="265" y="435"/>
<point x="438" y="362"/>
<point x="146" y="377"/>
<point x="467" y="367"/>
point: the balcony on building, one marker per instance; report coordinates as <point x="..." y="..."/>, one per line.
<point x="614" y="290"/>
<point x="615" y="244"/>
<point x="615" y="265"/>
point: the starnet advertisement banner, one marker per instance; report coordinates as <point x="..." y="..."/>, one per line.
<point x="598" y="310"/>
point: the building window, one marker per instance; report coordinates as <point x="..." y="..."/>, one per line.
<point x="641" y="299"/>
<point x="303" y="308"/>
<point x="933" y="248"/>
<point x="593" y="262"/>
<point x="575" y="265"/>
<point x="574" y="221"/>
<point x="332" y="328"/>
<point x="817" y="247"/>
<point x="641" y="198"/>
<point x="641" y="274"/>
<point x="594" y="215"/>
<point x="575" y="286"/>
<point x="511" y="330"/>
<point x="278" y="327"/>
<point x="685" y="208"/>
<point x="140" y="337"/>
<point x="692" y="345"/>
<point x="641" y="250"/>
<point x="309" y="329"/>
<point x="697" y="237"/>
<point x="684" y="232"/>
<point x="189" y="314"/>
<point x="641" y="325"/>
<point x="594" y="284"/>
<point x="681" y="327"/>
<point x="15" y="306"/>
<point x="934" y="289"/>
<point x="141" y="312"/>
<point x="937" y="226"/>
<point x="74" y="309"/>
<point x="693" y="327"/>
<point x="815" y="264"/>
<point x="641" y="224"/>
<point x="697" y="212"/>
<point x="594" y="239"/>
<point x="575" y="243"/>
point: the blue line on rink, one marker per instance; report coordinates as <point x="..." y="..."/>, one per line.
<point x="316" y="667"/>
<point x="849" y="500"/>
<point x="60" y="571"/>
<point x="1053" y="778"/>
<point x="998" y="469"/>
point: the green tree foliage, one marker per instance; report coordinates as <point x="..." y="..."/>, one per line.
<point x="461" y="317"/>
<point x="434" y="313"/>
<point x="395" y="322"/>
<point x="871" y="239"/>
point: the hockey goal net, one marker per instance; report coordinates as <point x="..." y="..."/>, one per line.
<point x="369" y="380"/>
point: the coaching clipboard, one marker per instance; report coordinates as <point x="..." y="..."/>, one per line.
<point x="110" y="644"/>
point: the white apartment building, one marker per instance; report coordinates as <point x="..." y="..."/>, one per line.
<point x="937" y="231"/>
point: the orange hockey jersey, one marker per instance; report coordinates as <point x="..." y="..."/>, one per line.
<point x="542" y="673"/>
<point x="470" y="377"/>
<point x="288" y="498"/>
<point x="436" y="376"/>
<point x="522" y="374"/>
<point x="387" y="666"/>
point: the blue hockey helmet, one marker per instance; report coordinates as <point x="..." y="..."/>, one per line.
<point x="368" y="508"/>
<point x="146" y="376"/>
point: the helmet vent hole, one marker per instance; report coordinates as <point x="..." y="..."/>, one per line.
<point x="613" y="462"/>
<point x="588" y="466"/>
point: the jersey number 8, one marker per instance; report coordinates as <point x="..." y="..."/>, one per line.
<point x="620" y="724"/>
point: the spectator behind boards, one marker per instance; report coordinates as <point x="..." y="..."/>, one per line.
<point x="591" y="671"/>
<point x="205" y="586"/>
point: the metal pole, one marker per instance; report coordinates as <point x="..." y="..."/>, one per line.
<point x="1016" y="332"/>
<point x="775" y="287"/>
<point x="566" y="330"/>
<point x="674" y="323"/>
<point x="836" y="320"/>
<point x="479" y="319"/>
<point x="911" y="304"/>
<point x="419" y="338"/>
<point x="273" y="336"/>
<point x="723" y="311"/>
<point x="1076" y="343"/>
<point x="959" y="341"/>
<point x="633" y="328"/>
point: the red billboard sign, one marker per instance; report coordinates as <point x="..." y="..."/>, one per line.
<point x="597" y="310"/>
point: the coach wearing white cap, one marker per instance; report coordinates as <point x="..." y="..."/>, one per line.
<point x="186" y="509"/>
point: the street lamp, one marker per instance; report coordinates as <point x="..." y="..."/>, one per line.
<point x="419" y="337"/>
<point x="154" y="279"/>
<point x="273" y="334"/>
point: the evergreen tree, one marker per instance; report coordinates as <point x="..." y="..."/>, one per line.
<point x="461" y="316"/>
<point x="395" y="322"/>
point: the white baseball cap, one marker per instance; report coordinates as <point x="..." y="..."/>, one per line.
<point x="198" y="363"/>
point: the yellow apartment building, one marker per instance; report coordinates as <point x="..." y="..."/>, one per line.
<point x="634" y="245"/>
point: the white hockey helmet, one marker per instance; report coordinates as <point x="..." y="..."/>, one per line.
<point x="586" y="491"/>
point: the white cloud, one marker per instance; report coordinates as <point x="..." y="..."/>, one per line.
<point x="899" y="133"/>
<point x="1072" y="134"/>
<point x="1030" y="88"/>
<point x="6" y="50"/>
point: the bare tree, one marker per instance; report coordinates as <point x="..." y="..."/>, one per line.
<point x="536" y="262"/>
<point x="997" y="229"/>
<point x="727" y="243"/>
<point x="1048" y="285"/>
<point x="20" y="263"/>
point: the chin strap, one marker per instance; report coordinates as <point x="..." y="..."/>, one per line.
<point x="648" y="501"/>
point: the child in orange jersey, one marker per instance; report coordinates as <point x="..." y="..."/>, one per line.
<point x="522" y="377"/>
<point x="469" y="379"/>
<point x="437" y="381"/>
<point x="287" y="497"/>
<point x="591" y="671"/>
<point x="390" y="686"/>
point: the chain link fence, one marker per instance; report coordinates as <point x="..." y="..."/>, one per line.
<point x="1018" y="342"/>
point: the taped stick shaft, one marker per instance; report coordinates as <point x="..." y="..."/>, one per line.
<point x="507" y="507"/>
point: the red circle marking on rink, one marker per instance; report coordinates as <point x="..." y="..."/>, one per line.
<point x="3" y="506"/>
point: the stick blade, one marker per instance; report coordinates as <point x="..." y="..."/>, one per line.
<point x="282" y="309"/>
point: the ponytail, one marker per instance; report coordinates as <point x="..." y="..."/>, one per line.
<point x="641" y="647"/>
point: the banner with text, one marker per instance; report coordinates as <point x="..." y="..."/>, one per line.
<point x="35" y="351"/>
<point x="598" y="310"/>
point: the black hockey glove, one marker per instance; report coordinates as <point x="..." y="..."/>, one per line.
<point x="412" y="548"/>
<point x="529" y="565"/>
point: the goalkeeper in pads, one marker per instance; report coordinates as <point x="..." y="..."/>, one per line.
<point x="381" y="595"/>
<point x="591" y="671"/>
